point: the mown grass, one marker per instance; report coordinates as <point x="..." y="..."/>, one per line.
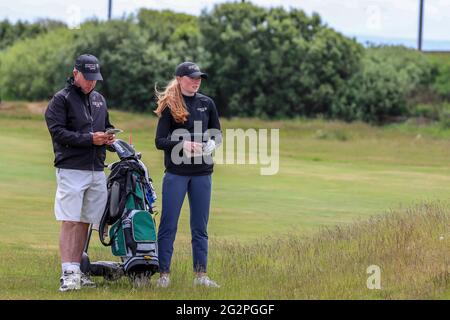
<point x="331" y="173"/>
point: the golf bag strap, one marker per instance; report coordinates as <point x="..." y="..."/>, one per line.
<point x="103" y="223"/>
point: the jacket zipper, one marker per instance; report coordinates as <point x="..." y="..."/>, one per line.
<point x="91" y="119"/>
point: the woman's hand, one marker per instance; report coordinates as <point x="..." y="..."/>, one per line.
<point x="209" y="147"/>
<point x="192" y="148"/>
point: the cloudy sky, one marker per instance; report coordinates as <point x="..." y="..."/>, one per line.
<point x="379" y="18"/>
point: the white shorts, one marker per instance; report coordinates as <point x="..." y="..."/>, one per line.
<point x="80" y="196"/>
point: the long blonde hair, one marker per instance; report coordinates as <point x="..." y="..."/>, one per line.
<point x="172" y="98"/>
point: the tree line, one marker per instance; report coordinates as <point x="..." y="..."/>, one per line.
<point x="271" y="63"/>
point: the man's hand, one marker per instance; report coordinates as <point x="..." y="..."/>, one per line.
<point x="110" y="138"/>
<point x="99" y="138"/>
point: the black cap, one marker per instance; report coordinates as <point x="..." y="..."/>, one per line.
<point x="88" y="65"/>
<point x="189" y="69"/>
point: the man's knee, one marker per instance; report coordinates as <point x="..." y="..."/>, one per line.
<point x="68" y="224"/>
<point x="73" y="225"/>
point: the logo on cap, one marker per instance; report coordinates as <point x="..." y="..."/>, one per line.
<point x="194" y="67"/>
<point x="188" y="69"/>
<point x="91" y="66"/>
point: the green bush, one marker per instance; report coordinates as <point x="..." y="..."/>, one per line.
<point x="274" y="63"/>
<point x="129" y="62"/>
<point x="444" y="115"/>
<point x="177" y="33"/>
<point x="388" y="77"/>
<point x="33" y="69"/>
<point x="132" y="55"/>
<point x="269" y="63"/>
<point x="441" y="84"/>
<point x="429" y="111"/>
<point x="10" y="33"/>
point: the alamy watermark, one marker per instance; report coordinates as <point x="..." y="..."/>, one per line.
<point x="374" y="280"/>
<point x="73" y="17"/>
<point x="263" y="147"/>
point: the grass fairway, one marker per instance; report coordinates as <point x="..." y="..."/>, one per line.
<point x="265" y="238"/>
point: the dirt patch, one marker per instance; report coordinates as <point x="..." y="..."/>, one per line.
<point x="37" y="107"/>
<point x="19" y="107"/>
<point x="8" y="106"/>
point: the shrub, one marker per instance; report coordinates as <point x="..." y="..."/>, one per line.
<point x="273" y="62"/>
<point x="388" y="77"/>
<point x="441" y="84"/>
<point x="33" y="69"/>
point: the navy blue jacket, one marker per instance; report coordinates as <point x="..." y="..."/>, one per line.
<point x="72" y="117"/>
<point x="201" y="108"/>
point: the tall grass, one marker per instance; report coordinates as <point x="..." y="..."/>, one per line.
<point x="411" y="247"/>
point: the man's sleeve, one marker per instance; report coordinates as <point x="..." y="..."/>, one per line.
<point x="108" y="124"/>
<point x="162" y="139"/>
<point x="56" y="118"/>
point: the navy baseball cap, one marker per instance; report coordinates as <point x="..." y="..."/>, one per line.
<point x="190" y="70"/>
<point x="89" y="66"/>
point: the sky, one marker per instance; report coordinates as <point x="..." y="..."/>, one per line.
<point x="396" y="19"/>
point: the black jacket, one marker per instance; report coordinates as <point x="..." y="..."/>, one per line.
<point x="72" y="117"/>
<point x="202" y="109"/>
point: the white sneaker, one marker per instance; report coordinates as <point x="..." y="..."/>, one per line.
<point x="163" y="282"/>
<point x="70" y="280"/>
<point x="206" y="282"/>
<point x="86" y="281"/>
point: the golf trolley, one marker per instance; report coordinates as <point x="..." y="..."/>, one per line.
<point x="128" y="221"/>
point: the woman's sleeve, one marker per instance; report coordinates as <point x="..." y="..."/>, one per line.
<point x="162" y="139"/>
<point x="214" y="123"/>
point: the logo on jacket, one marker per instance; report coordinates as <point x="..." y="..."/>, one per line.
<point x="97" y="104"/>
<point x="202" y="109"/>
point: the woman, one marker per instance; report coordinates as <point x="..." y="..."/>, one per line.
<point x="181" y="109"/>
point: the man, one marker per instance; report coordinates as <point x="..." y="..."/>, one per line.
<point x="77" y="118"/>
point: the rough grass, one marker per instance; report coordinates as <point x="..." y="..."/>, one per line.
<point x="411" y="246"/>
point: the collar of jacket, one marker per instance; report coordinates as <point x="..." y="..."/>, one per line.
<point x="71" y="84"/>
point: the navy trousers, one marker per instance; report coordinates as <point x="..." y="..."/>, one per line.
<point x="174" y="190"/>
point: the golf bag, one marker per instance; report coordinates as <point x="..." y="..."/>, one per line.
<point x="128" y="223"/>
